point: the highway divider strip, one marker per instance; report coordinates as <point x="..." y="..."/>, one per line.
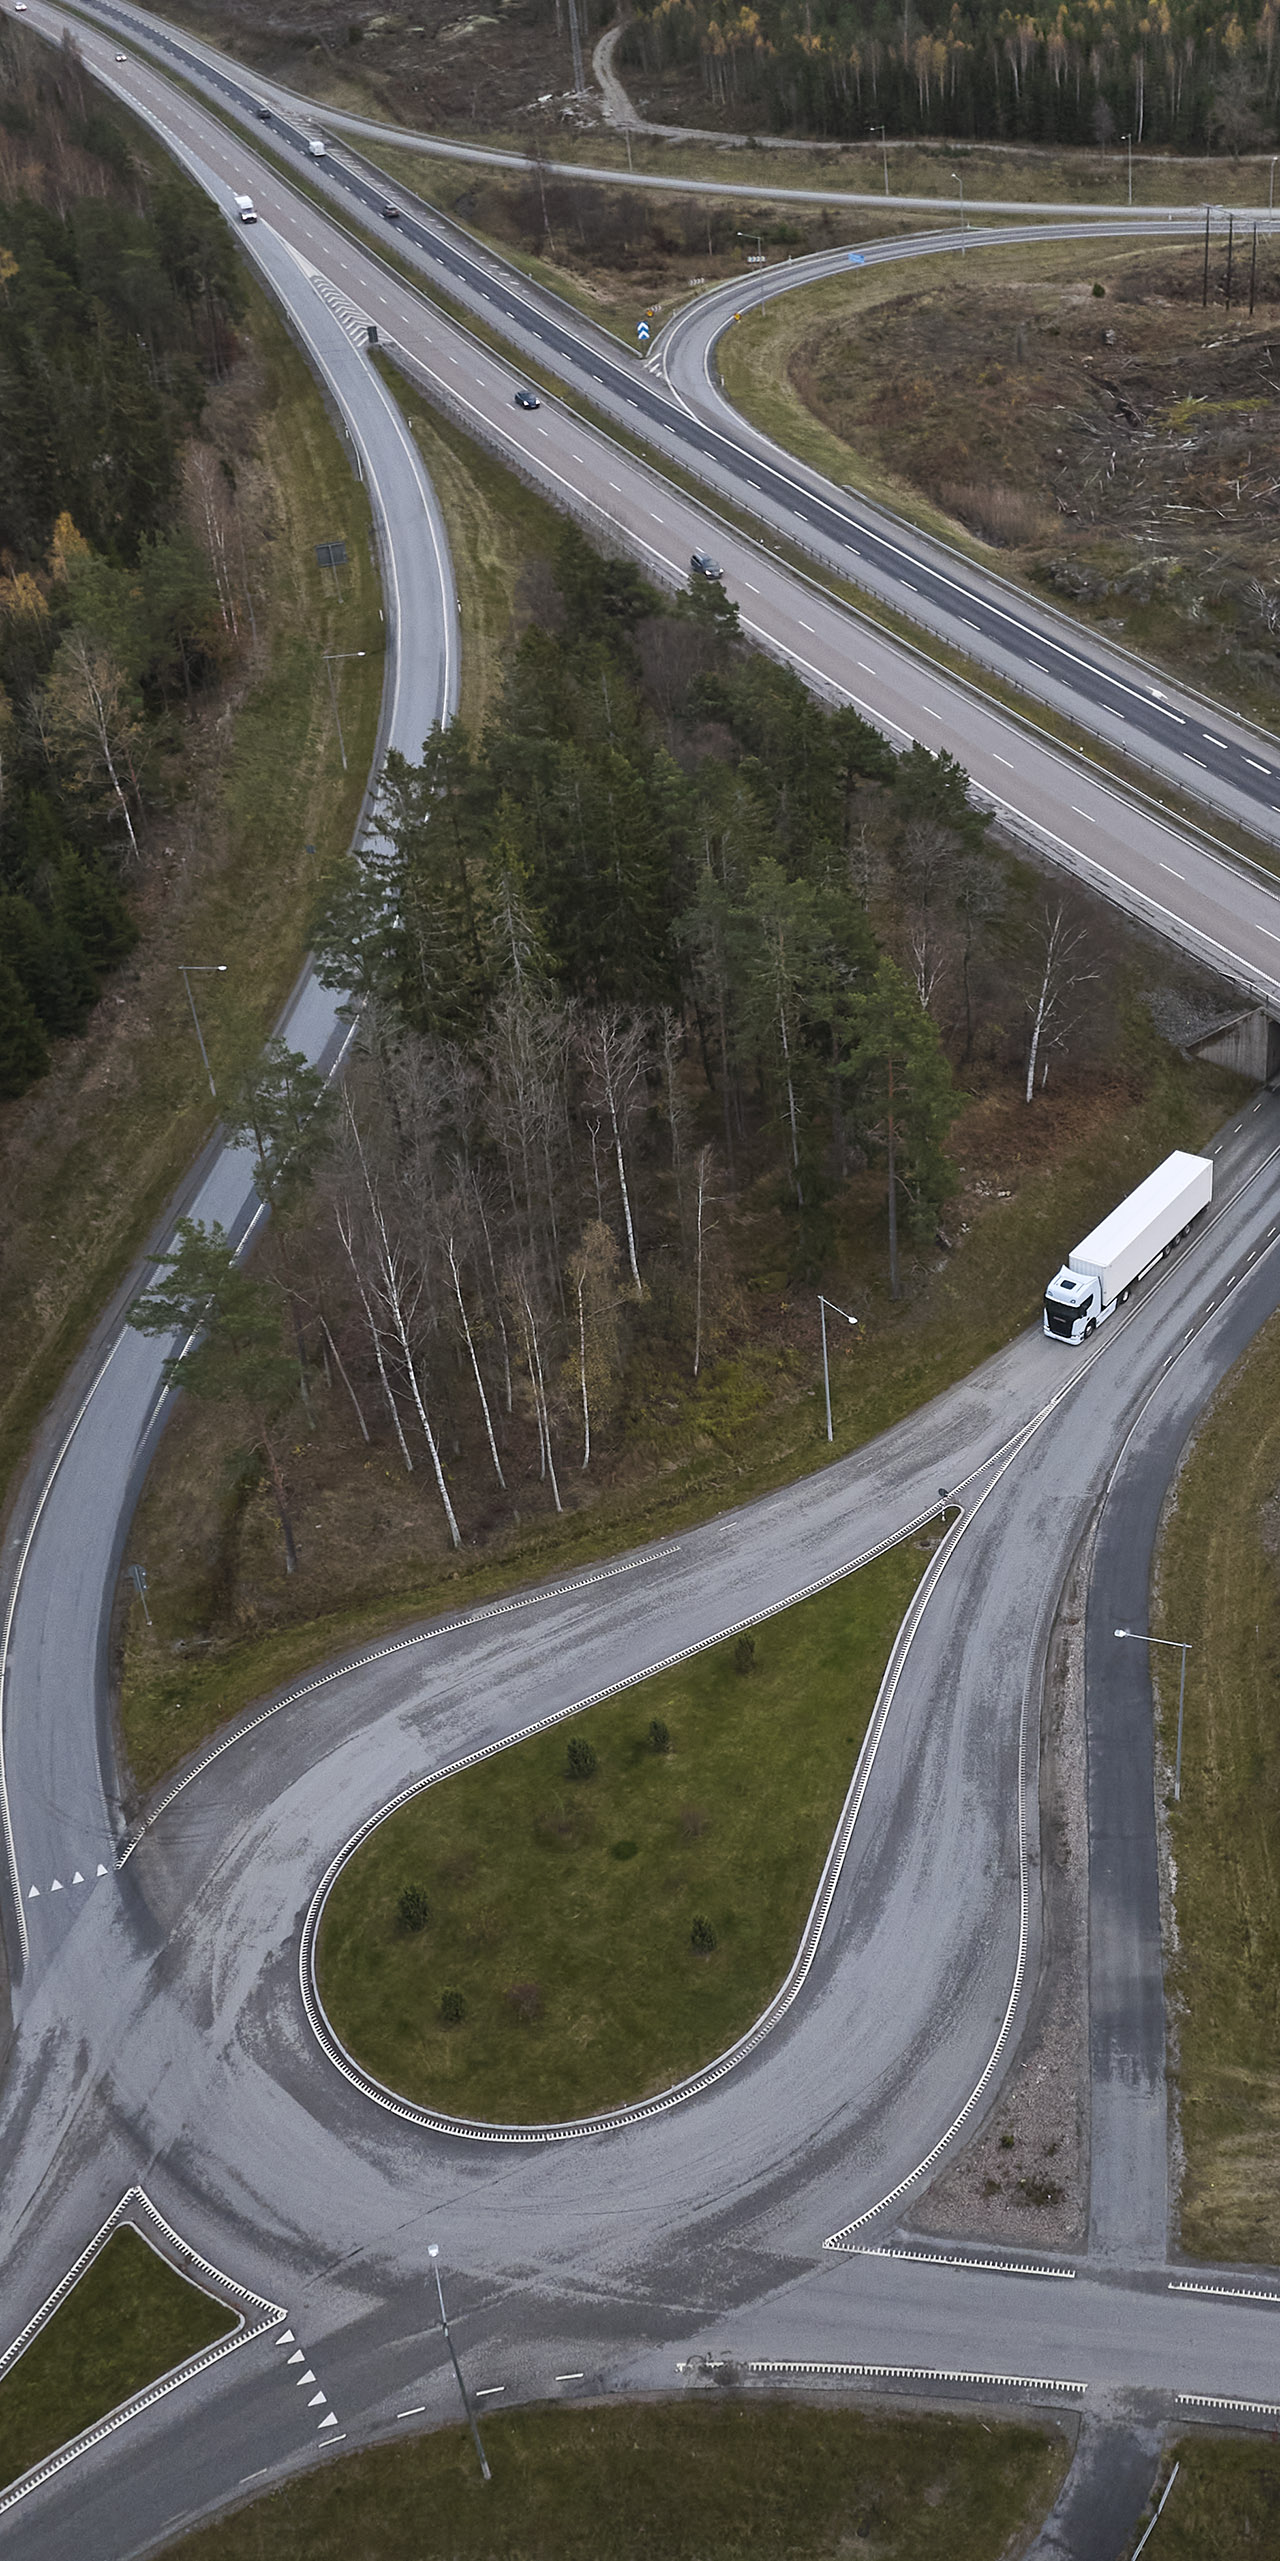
<point x="136" y="2210"/>
<point x="801" y="2366"/>
<point x="950" y="2259"/>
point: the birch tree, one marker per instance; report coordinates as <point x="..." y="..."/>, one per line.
<point x="615" y="1055"/>
<point x="1060" y="972"/>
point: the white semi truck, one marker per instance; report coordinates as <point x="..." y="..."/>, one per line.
<point x="1098" y="1276"/>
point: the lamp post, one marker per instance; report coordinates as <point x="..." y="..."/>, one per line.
<point x="201" y="969"/>
<point x="330" y="656"/>
<point x="823" y="1305"/>
<point x="1176" y="1646"/>
<point x="1271" y="189"/>
<point x="433" y="2253"/>
<point x="1128" y="137"/>
<point x="958" y="181"/>
<point x="884" y="148"/>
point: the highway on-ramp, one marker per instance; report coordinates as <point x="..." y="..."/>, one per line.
<point x="166" y="2033"/>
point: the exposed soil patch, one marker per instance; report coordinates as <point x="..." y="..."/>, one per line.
<point x="1123" y="445"/>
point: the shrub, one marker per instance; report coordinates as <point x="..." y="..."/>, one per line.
<point x="581" y="1757"/>
<point x="412" y="1909"/>
<point x="624" y="1849"/>
<point x="744" y="1655"/>
<point x="525" y="1999"/>
<point x="659" y="1736"/>
<point x="1006" y="2142"/>
<point x="453" y="2008"/>
<point x="702" y="1936"/>
<point x="1098" y="292"/>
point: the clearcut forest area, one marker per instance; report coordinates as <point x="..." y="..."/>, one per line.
<point x="684" y="995"/>
<point x="1116" y="441"/>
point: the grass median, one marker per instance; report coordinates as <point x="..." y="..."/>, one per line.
<point x="590" y="1915"/>
<point x="130" y="2319"/>
<point x="1218" y="1586"/>
<point x="707" y="2481"/>
<point x="1225" y="2502"/>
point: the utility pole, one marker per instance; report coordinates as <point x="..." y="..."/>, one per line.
<point x="1231" y="234"/>
<point x="575" y="39"/>
<point x="884" y="149"/>
<point x="1253" y="269"/>
<point x="433" y="2253"/>
<point x="330" y="656"/>
<point x="201" y="969"/>
<point x="1204" y="290"/>
<point x="1176" y="1645"/>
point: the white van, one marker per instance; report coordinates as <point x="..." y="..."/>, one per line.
<point x="244" y="207"/>
<point x="315" y="148"/>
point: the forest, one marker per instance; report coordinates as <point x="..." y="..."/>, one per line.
<point x="1180" y="75"/>
<point x="646" y="972"/>
<point x="120" y="590"/>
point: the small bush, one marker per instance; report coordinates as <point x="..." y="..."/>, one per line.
<point x="581" y="1757"/>
<point x="1006" y="2143"/>
<point x="1040" y="2191"/>
<point x="659" y="1736"/>
<point x="702" y="1937"/>
<point x="1098" y="292"/>
<point x="413" y="1911"/>
<point x="525" y="2000"/>
<point x="744" y="1655"/>
<point x="453" y="2008"/>
<point x="624" y="1849"/>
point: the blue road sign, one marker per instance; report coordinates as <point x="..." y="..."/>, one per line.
<point x="642" y="332"/>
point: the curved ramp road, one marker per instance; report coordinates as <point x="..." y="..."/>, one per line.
<point x="1226" y="914"/>
<point x="672" y="402"/>
<point x="163" y="2031"/>
<point x="58" y="1798"/>
<point x="166" y="2036"/>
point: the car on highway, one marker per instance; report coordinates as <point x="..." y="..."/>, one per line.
<point x="527" y="400"/>
<point x="703" y="566"/>
<point x="391" y="213"/>
<point x="122" y="57"/>
<point x="19" y="8"/>
<point x="263" y="114"/>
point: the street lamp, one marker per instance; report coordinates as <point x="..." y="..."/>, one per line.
<point x="1271" y="189"/>
<point x="884" y="146"/>
<point x="201" y="969"/>
<point x="1177" y="1646"/>
<point x="823" y="1305"/>
<point x="330" y="656"/>
<point x="958" y="181"/>
<point x="1128" y="137"/>
<point x="433" y="2253"/>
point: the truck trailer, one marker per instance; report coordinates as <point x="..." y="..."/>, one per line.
<point x="1098" y="1276"/>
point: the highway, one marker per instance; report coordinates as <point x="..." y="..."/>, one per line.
<point x="167" y="2030"/>
<point x="1066" y="808"/>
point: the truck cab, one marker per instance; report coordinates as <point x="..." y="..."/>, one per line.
<point x="1072" y="1305"/>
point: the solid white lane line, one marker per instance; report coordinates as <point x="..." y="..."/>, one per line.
<point x="1083" y="813"/>
<point x="1174" y="875"/>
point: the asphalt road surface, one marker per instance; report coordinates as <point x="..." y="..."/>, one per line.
<point x="163" y="2030"/>
<point x="672" y="401"/>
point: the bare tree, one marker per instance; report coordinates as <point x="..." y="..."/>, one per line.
<point x="522" y="1301"/>
<point x="1060" y="970"/>
<point x="396" y="1290"/>
<point x="615" y="1052"/>
<point x="456" y="1277"/>
<point x="592" y="1273"/>
<point x="87" y="723"/>
<point x="702" y="1175"/>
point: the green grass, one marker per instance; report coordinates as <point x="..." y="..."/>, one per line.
<point x="588" y="1888"/>
<point x="129" y="2320"/>
<point x="716" y="2480"/>
<point x="496" y="528"/>
<point x="94" y="1151"/>
<point x="1218" y="1586"/>
<point x="1225" y="2503"/>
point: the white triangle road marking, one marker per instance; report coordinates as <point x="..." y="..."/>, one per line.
<point x="77" y="1879"/>
<point x="285" y="2339"/>
<point x="33" y="1893"/>
<point x="297" y="2358"/>
<point x="317" y="2400"/>
<point x="330" y="2422"/>
<point x="101" y="1869"/>
<point x="56" y="1887"/>
<point x="308" y="2377"/>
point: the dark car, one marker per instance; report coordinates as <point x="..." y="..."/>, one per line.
<point x="703" y="566"/>
<point x="263" y="114"/>
<point x="391" y="213"/>
<point x="527" y="400"/>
